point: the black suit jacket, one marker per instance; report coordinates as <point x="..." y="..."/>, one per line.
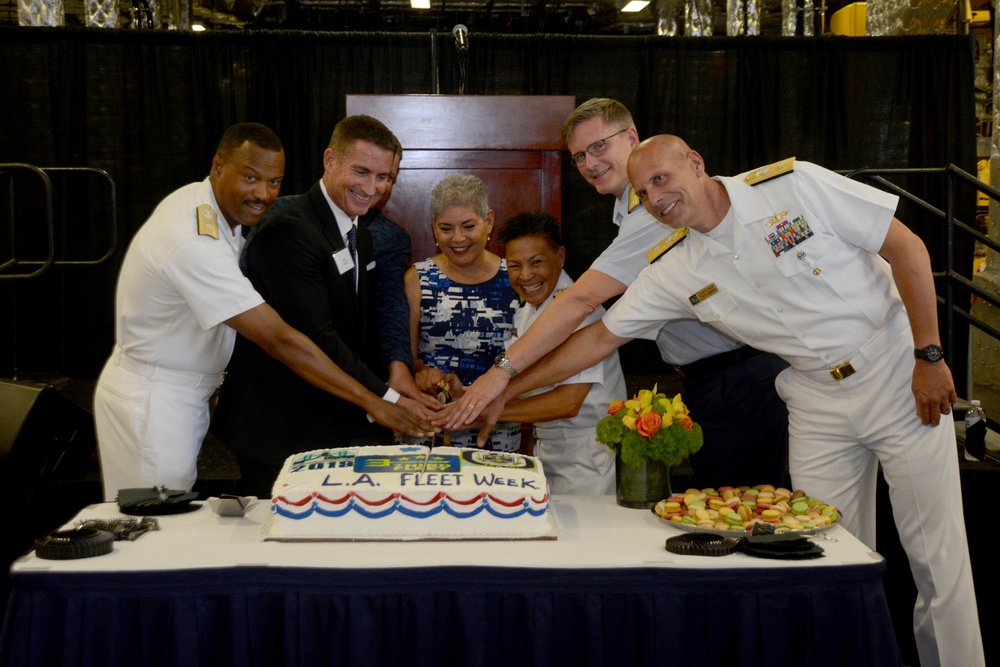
<point x="266" y="412"/>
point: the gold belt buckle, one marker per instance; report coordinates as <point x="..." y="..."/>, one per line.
<point x="845" y="370"/>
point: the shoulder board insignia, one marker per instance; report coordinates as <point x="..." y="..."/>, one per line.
<point x="633" y="199"/>
<point x="208" y="221"/>
<point x="661" y="248"/>
<point x="763" y="174"/>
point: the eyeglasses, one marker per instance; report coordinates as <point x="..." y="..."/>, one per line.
<point x="596" y="149"/>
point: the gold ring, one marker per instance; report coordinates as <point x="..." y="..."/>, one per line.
<point x="472" y="406"/>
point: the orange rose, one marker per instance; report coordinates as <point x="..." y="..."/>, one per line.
<point x="648" y="424"/>
<point x="615" y="407"/>
<point x="685" y="421"/>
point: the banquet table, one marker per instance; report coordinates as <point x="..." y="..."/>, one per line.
<point x="204" y="590"/>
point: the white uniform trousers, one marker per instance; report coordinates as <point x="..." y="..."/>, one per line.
<point x="150" y="423"/>
<point x="577" y="465"/>
<point x="837" y="430"/>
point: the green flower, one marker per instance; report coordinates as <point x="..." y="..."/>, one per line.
<point x="610" y="431"/>
<point x="695" y="439"/>
<point x="634" y="448"/>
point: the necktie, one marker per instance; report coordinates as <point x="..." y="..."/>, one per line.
<point x="352" y="246"/>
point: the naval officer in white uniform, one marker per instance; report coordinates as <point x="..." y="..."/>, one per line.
<point x="181" y="298"/>
<point x="792" y="258"/>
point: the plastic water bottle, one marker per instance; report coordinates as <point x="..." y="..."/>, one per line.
<point x="975" y="432"/>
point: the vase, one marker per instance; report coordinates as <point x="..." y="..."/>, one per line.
<point x="641" y="486"/>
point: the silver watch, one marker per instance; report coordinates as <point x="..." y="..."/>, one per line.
<point x="503" y="363"/>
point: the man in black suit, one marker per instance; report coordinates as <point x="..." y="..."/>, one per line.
<point x="303" y="263"/>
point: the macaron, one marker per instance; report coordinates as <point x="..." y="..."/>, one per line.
<point x="770" y="515"/>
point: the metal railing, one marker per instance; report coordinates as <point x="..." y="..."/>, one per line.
<point x="40" y="206"/>
<point x="950" y="281"/>
<point x="9" y="265"/>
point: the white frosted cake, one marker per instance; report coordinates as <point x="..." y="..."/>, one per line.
<point x="409" y="492"/>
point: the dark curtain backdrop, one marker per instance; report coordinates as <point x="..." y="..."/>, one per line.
<point x="149" y="108"/>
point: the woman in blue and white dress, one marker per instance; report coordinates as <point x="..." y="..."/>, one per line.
<point x="461" y="302"/>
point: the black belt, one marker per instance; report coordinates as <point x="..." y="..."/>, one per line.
<point x="717" y="362"/>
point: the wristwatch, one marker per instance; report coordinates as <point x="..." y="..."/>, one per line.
<point x="930" y="353"/>
<point x="503" y="363"/>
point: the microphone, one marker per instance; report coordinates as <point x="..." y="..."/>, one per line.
<point x="461" y="34"/>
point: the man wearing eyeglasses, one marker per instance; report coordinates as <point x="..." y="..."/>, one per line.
<point x="727" y="385"/>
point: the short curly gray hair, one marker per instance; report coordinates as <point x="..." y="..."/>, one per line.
<point x="460" y="190"/>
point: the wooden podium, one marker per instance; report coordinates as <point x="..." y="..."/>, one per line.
<point x="512" y="142"/>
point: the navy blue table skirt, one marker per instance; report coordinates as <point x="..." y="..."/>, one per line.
<point x="462" y="616"/>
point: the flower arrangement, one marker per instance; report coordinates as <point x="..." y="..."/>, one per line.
<point x="650" y="426"/>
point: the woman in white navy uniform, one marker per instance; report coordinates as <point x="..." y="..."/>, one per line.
<point x="563" y="416"/>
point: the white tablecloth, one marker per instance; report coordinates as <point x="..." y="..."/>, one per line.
<point x="592" y="532"/>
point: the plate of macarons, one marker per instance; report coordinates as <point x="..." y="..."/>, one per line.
<point x="732" y="511"/>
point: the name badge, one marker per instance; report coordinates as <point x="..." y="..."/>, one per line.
<point x="703" y="294"/>
<point x="342" y="258"/>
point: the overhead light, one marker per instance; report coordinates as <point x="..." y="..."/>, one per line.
<point x="197" y="27"/>
<point x="635" y="6"/>
<point x="420" y="4"/>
